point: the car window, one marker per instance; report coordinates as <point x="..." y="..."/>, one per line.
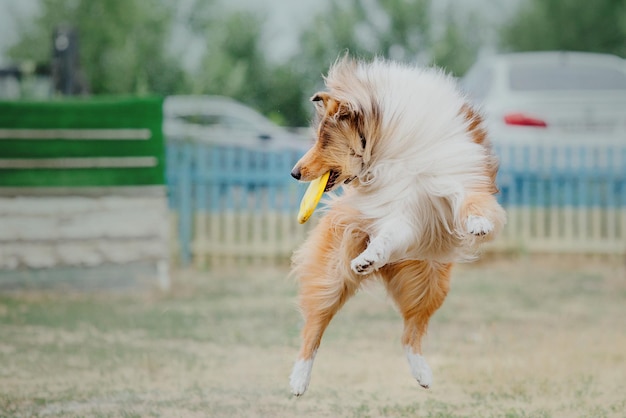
<point x="201" y="119"/>
<point x="529" y="78"/>
<point x="477" y="82"/>
<point x="238" y="124"/>
<point x="219" y="121"/>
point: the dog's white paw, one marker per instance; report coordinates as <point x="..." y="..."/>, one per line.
<point x="479" y="225"/>
<point x="419" y="368"/>
<point x="300" y="376"/>
<point x="364" y="264"/>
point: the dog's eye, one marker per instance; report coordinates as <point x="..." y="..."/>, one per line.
<point x="363" y="141"/>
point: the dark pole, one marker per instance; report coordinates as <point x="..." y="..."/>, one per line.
<point x="65" y="65"/>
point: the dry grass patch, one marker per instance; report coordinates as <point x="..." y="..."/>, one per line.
<point x="515" y="338"/>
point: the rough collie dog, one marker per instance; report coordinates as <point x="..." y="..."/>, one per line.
<point x="418" y="178"/>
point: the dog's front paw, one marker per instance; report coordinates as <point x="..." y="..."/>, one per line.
<point x="365" y="264"/>
<point x="362" y="265"/>
<point x="479" y="225"/>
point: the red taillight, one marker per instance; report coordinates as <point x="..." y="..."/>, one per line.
<point x="520" y="119"/>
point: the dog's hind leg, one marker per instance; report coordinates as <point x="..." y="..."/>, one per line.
<point x="419" y="288"/>
<point x="325" y="285"/>
<point x="320" y="299"/>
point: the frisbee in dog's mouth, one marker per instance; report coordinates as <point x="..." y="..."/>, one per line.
<point x="312" y="197"/>
<point x="314" y="193"/>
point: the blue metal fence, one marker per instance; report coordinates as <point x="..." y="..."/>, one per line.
<point x="555" y="194"/>
<point x="213" y="179"/>
<point x="591" y="174"/>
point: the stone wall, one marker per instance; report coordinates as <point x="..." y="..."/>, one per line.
<point x="83" y="229"/>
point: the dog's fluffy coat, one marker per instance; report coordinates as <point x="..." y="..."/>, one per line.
<point x="419" y="185"/>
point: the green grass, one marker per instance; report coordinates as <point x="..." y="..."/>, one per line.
<point x="522" y="338"/>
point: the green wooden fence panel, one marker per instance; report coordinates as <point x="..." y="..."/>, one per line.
<point x="52" y="144"/>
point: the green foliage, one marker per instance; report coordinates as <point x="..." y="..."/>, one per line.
<point x="234" y="65"/>
<point x="455" y="50"/>
<point x="397" y="29"/>
<point x="123" y="47"/>
<point x="285" y="99"/>
<point x="233" y="60"/>
<point x="122" y="43"/>
<point x="408" y="33"/>
<point x="332" y="33"/>
<point x="579" y="25"/>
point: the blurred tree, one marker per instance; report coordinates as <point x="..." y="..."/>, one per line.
<point x="122" y="43"/>
<point x="454" y="49"/>
<point x="407" y="33"/>
<point x="123" y="47"/>
<point x="580" y="25"/>
<point x="285" y="99"/>
<point x="397" y="29"/>
<point x="330" y="34"/>
<point x="234" y="65"/>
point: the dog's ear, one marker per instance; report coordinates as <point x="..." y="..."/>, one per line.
<point x="333" y="107"/>
<point x="324" y="103"/>
<point x="320" y="96"/>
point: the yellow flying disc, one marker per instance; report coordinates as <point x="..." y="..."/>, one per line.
<point x="312" y="197"/>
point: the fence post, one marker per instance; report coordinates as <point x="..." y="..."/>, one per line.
<point x="185" y="209"/>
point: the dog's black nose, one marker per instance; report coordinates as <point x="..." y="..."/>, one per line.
<point x="295" y="173"/>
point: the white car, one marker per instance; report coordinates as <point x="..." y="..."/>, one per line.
<point x="222" y="120"/>
<point x="560" y="94"/>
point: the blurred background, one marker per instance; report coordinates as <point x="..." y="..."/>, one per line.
<point x="152" y="141"/>
<point x="245" y="49"/>
<point x="270" y="56"/>
<point x="236" y="77"/>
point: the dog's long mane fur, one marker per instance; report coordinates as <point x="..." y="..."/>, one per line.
<point x="427" y="151"/>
